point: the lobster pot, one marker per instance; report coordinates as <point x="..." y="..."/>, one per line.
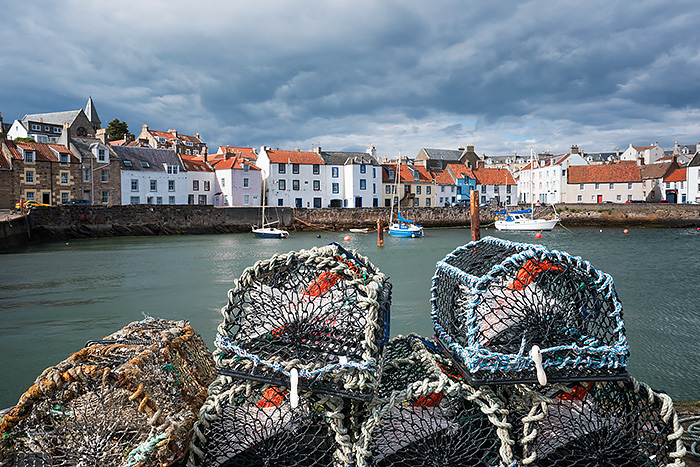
<point x="248" y="423"/>
<point x="501" y="307"/>
<point x="613" y="423"/>
<point x="422" y="417"/>
<point x="323" y="312"/>
<point x="131" y="398"/>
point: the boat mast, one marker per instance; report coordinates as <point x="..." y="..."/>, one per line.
<point x="532" y="173"/>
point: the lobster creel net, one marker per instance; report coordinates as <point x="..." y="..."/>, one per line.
<point x="422" y="417"/>
<point x="323" y="312"/>
<point x="501" y="306"/>
<point x="129" y="399"/>
<point x="595" y="424"/>
<point x="248" y="423"/>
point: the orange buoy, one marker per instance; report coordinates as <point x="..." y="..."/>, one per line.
<point x="347" y="238"/>
<point x="538" y="235"/>
<point x="625" y="231"/>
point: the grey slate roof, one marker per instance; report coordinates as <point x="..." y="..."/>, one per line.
<point x="443" y="154"/>
<point x="91" y="112"/>
<point x="155" y="158"/>
<point x="346" y="158"/>
<point x="53" y="118"/>
<point x="83" y="145"/>
<point x="695" y="161"/>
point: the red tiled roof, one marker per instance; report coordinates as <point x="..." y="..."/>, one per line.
<point x="459" y="170"/>
<point x="642" y="148"/>
<point x="626" y="171"/>
<point x="233" y="162"/>
<point x="43" y="151"/>
<point x="493" y="177"/>
<point x="443" y="177"/>
<point x="294" y="157"/>
<point x="169" y="136"/>
<point x="247" y="153"/>
<point x="195" y="164"/>
<point x="678" y="175"/>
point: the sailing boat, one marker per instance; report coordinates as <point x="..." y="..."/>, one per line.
<point x="265" y="231"/>
<point x="402" y="227"/>
<point x="523" y="219"/>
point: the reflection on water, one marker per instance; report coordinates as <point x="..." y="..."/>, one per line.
<point x="53" y="298"/>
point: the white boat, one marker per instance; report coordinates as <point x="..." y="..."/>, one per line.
<point x="402" y="227"/>
<point x="524" y="218"/>
<point x="265" y="231"/>
<point x="365" y="230"/>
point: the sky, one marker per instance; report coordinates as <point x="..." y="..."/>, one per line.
<point x="505" y="76"/>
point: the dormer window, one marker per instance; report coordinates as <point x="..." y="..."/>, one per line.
<point x="145" y="164"/>
<point x="246" y="167"/>
<point x="128" y="164"/>
<point x="29" y="157"/>
<point x="161" y="139"/>
<point x="57" y="130"/>
<point x="171" y="169"/>
<point x="189" y="143"/>
<point x="64" y="159"/>
<point x="36" y="127"/>
<point x="101" y="155"/>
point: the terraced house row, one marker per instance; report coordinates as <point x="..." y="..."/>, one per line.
<point x="66" y="157"/>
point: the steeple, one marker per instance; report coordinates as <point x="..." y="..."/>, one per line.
<point x="92" y="114"/>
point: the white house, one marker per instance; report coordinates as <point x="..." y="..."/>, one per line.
<point x="239" y="182"/>
<point x="546" y="178"/>
<point x="645" y="154"/>
<point x="201" y="180"/>
<point x="676" y="186"/>
<point x="294" y="178"/>
<point x="151" y="176"/>
<point x="354" y="178"/>
<point x="693" y="176"/>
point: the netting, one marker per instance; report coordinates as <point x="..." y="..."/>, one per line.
<point x="130" y="399"/>
<point x="422" y="417"/>
<point x="500" y="306"/>
<point x="323" y="312"/>
<point x="247" y="423"/>
<point x="613" y="423"/>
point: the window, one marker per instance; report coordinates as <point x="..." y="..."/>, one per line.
<point x="63" y="158"/>
<point x="29" y="176"/>
<point x="363" y="184"/>
<point x="154" y="185"/>
<point x="145" y="165"/>
<point x="195" y="185"/>
<point x="668" y="184"/>
<point x="246" y="182"/>
<point x="416" y="201"/>
<point x="47" y="128"/>
<point x="316" y="169"/>
<point x="442" y="189"/>
<point x="36" y="127"/>
<point x="629" y="186"/>
<point x="317" y="185"/>
<point x="128" y="164"/>
<point x="387" y="189"/>
<point x="483" y="188"/>
<point x="171" y="185"/>
<point x="418" y="190"/>
<point x="105" y="175"/>
<point x="334" y="172"/>
<point x="428" y="190"/>
<point x="280" y="202"/>
<point x="295" y="168"/>
<point x="629" y="197"/>
<point x="202" y="199"/>
<point x="282" y="185"/>
<point x="29" y="157"/>
<point x="57" y="130"/>
<point x="134" y="200"/>
<point x="297" y="202"/>
<point x="101" y="155"/>
<point x="30" y="196"/>
<point x="374" y="188"/>
<point x="317" y="202"/>
<point x="159" y="200"/>
<point x="653" y="195"/>
<point x="207" y="185"/>
<point x="190" y="199"/>
<point x="65" y="197"/>
<point x="579" y="198"/>
<point x="612" y="186"/>
<point x="134" y="185"/>
<point x="580" y="186"/>
<point x="427" y="201"/>
<point x="246" y="167"/>
<point x="171" y="200"/>
<point x="363" y="168"/>
<point x="64" y="178"/>
<point x="223" y="182"/>
<point x="246" y="200"/>
<point x="374" y="172"/>
<point x="619" y="197"/>
<point x="295" y="185"/>
<point x="281" y="168"/>
<point x="86" y="175"/>
<point x="336" y="188"/>
<point x="172" y="169"/>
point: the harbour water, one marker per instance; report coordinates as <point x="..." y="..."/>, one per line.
<point x="55" y="297"/>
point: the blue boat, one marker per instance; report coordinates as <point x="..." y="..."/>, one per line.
<point x="402" y="227"/>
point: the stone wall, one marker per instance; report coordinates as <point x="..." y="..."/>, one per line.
<point x="14" y="233"/>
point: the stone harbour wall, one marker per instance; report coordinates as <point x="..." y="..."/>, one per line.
<point x="65" y="222"/>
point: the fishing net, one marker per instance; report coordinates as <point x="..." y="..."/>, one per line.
<point x="323" y="312"/>
<point x="587" y="424"/>
<point x="422" y="417"/>
<point x="248" y="423"/>
<point x="500" y="307"/>
<point x="129" y="399"/>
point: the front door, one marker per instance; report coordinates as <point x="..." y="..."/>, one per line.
<point x="600" y="198"/>
<point x="358" y="201"/>
<point x="46" y="198"/>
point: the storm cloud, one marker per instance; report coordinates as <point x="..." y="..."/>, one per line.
<point x="401" y="75"/>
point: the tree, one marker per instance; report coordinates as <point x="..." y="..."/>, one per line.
<point x="117" y="129"/>
<point x="26" y="139"/>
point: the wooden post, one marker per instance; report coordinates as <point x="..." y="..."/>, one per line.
<point x="380" y="232"/>
<point x="474" y="205"/>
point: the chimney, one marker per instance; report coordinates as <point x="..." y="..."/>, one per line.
<point x="173" y="132"/>
<point x="2" y="128"/>
<point x="102" y="136"/>
<point x="460" y="148"/>
<point x="129" y="138"/>
<point x="675" y="149"/>
<point x="617" y="152"/>
<point x="144" y="128"/>
<point x="196" y="135"/>
<point x="574" y="149"/>
<point x="317" y="149"/>
<point x="470" y="148"/>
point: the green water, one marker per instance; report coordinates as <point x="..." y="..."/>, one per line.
<point x="55" y="297"/>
